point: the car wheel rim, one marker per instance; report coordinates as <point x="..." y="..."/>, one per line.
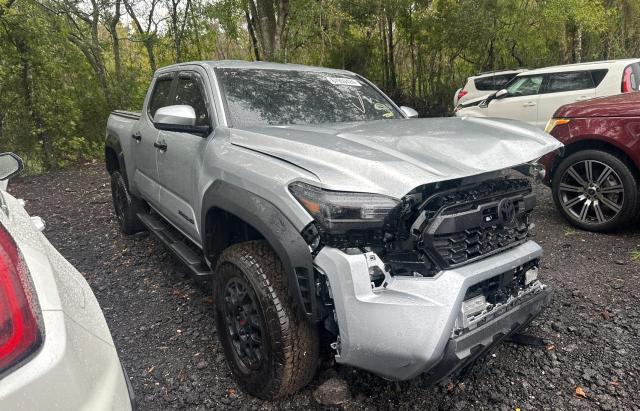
<point x="243" y="324"/>
<point x="591" y="192"/>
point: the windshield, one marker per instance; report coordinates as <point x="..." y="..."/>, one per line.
<point x="259" y="97"/>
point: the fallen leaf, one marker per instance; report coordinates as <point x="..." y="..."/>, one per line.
<point x="580" y="392"/>
<point x="614" y="383"/>
<point x="605" y="314"/>
<point x="450" y="388"/>
<point x="551" y="347"/>
<point x="231" y="392"/>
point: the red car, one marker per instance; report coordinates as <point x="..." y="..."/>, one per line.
<point x="595" y="180"/>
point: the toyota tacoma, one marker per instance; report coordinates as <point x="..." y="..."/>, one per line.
<point x="329" y="221"/>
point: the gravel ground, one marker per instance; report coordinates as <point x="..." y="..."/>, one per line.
<point x="162" y="321"/>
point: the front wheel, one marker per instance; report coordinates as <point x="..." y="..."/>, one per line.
<point x="272" y="351"/>
<point x="595" y="191"/>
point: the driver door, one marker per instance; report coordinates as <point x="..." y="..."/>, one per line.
<point x="521" y="101"/>
<point x="179" y="161"/>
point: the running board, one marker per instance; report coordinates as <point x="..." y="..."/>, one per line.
<point x="177" y="243"/>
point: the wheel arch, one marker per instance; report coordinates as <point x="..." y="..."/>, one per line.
<point x="114" y="157"/>
<point x="596" y="143"/>
<point x="231" y="214"/>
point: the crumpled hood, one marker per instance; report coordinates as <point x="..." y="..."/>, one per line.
<point x="393" y="157"/>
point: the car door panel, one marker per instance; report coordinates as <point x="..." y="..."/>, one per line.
<point x="177" y="164"/>
<point x="564" y="88"/>
<point x="520" y="102"/>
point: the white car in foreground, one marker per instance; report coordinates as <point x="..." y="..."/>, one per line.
<point x="533" y="96"/>
<point x="56" y="352"/>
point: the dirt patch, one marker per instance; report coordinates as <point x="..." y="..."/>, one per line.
<point x="162" y="321"/>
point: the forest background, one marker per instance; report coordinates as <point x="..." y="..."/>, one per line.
<point x="65" y="64"/>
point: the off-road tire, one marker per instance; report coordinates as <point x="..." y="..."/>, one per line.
<point x="631" y="200"/>
<point x="126" y="205"/>
<point x="289" y="342"/>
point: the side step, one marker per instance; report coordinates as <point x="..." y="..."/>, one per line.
<point x="177" y="243"/>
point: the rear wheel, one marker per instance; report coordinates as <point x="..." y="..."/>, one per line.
<point x="596" y="191"/>
<point x="270" y="349"/>
<point x="126" y="205"/>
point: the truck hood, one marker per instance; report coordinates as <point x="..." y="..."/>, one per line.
<point x="393" y="157"/>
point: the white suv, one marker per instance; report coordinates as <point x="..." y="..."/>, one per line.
<point x="483" y="85"/>
<point x="534" y="96"/>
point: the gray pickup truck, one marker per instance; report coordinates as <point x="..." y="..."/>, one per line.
<point x="330" y="222"/>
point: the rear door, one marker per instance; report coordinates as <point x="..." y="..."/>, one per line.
<point x="144" y="135"/>
<point x="178" y="164"/>
<point x="521" y="101"/>
<point x="564" y="88"/>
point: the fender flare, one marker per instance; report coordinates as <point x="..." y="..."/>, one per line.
<point x="279" y="232"/>
<point x="113" y="142"/>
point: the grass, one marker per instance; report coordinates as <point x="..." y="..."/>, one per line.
<point x="635" y="256"/>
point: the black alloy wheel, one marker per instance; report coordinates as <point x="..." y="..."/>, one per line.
<point x="242" y="318"/>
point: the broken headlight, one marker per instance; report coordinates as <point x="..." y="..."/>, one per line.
<point x="339" y="212"/>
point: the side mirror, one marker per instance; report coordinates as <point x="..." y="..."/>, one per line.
<point x="179" y="118"/>
<point x="409" y="112"/>
<point x="179" y="115"/>
<point x="501" y="93"/>
<point x="10" y="165"/>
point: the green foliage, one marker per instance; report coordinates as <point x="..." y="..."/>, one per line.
<point x="60" y="74"/>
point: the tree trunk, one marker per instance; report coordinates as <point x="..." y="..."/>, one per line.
<point x="578" y="45"/>
<point x="393" y="85"/>
<point x="40" y="131"/>
<point x="252" y="34"/>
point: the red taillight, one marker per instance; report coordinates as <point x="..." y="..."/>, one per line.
<point x="19" y="330"/>
<point x="626" y="80"/>
<point x="462" y="93"/>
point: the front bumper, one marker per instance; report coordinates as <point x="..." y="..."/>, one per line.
<point x="406" y="328"/>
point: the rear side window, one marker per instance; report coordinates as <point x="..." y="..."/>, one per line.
<point x="577" y="80"/>
<point x="491" y="83"/>
<point x="598" y="76"/>
<point x="160" y="95"/>
<point x="189" y="91"/>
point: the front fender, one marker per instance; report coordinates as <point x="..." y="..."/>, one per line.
<point x="279" y="232"/>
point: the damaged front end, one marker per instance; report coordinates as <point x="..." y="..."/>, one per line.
<point x="428" y="282"/>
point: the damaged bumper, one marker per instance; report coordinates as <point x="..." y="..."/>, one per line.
<point x="412" y="325"/>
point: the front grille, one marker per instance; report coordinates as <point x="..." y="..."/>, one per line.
<point x="477" y="226"/>
<point x="473" y="243"/>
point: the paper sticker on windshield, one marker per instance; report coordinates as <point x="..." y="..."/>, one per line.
<point x="383" y="107"/>
<point x="343" y="81"/>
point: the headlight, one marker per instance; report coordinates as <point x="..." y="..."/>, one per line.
<point x="551" y="124"/>
<point x="339" y="211"/>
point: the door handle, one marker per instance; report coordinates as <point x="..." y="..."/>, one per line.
<point x="529" y="104"/>
<point x="136" y="136"/>
<point x="160" y="146"/>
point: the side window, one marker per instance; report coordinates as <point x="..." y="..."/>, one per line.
<point x="502" y="80"/>
<point x="577" y="80"/>
<point x="525" y="86"/>
<point x="189" y="91"/>
<point x="160" y="95"/>
<point x="484" y="83"/>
